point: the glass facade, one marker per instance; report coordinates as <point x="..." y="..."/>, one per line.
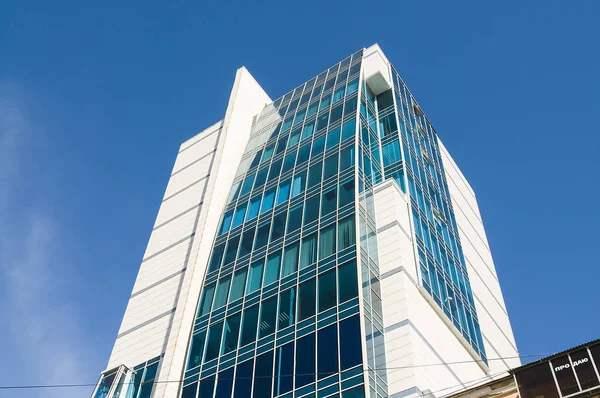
<point x="291" y="301"/>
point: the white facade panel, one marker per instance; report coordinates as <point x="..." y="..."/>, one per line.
<point x="171" y="233"/>
<point x="493" y="317"/>
<point x="200" y="150"/>
<point x="161" y="266"/>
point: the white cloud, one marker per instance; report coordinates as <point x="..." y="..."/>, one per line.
<point x="42" y="333"/>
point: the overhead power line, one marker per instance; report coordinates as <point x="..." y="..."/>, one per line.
<point x="42" y="386"/>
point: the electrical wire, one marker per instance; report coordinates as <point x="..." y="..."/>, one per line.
<point x="41" y="386"/>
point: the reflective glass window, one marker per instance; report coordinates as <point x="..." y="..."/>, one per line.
<point x="283" y="192"/>
<point x="348" y="281"/>
<point x="287" y="305"/>
<point x="294" y="218"/>
<point x="226" y="222"/>
<point x="232" y="247"/>
<point x="284" y="368"/>
<point x="298" y="184"/>
<point x="306" y="299"/>
<point x="318" y="146"/>
<point x="278" y="226"/>
<point x="288" y="162"/>
<point x="213" y="344"/>
<point x="331" y="166"/>
<point x="349" y="129"/>
<point x="308" y="253"/>
<point x="238" y="218"/>
<point x="275" y="170"/>
<point x="290" y="260"/>
<point x="247" y="185"/>
<point x="196" y="349"/>
<point x="222" y="292"/>
<point x="255" y="276"/>
<point x="231" y="332"/>
<point x="311" y="210"/>
<point x="327" y="290"/>
<point x="247" y="240"/>
<point x="268" y="315"/>
<point x="346" y="233"/>
<point x="272" y="268"/>
<point x="303" y="154"/>
<point x="263" y="376"/>
<point x="329" y="202"/>
<point x="206" y="387"/>
<point x="268" y="200"/>
<point x="350" y="343"/>
<point x="262" y="235"/>
<point x="305" y="360"/>
<point x="327" y="242"/>
<point x="238" y="284"/>
<point x="346" y="192"/>
<point x="261" y="177"/>
<point x="249" y="324"/>
<point x="206" y="302"/>
<point x="315" y="174"/>
<point x="327" y="348"/>
<point x="333" y="137"/>
<point x="216" y="258"/>
<point x="243" y="380"/>
<point x="224" y="384"/>
<point x="253" y="208"/>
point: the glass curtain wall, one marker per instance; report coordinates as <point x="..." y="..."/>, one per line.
<point x="279" y="310"/>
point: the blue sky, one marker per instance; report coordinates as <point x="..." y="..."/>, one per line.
<point x="96" y="98"/>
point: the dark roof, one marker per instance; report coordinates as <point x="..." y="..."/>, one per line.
<point x="554" y="356"/>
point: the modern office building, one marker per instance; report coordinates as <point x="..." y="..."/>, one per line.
<point x="323" y="244"/>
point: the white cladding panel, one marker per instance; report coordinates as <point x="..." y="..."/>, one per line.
<point x="493" y="317"/>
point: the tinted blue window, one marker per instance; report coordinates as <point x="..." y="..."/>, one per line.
<point x="331" y="166"/>
<point x="268" y="200"/>
<point x="350" y="343"/>
<point x="253" y="208"/>
<point x="262" y="235"/>
<point x="303" y="154"/>
<point x="306" y="299"/>
<point x="261" y="177"/>
<point x="346" y="192"/>
<point x="224" y="384"/>
<point x="349" y="129"/>
<point x="207" y="387"/>
<point x="284" y="368"/>
<point x="308" y="129"/>
<point x="263" y="376"/>
<point x="305" y="360"/>
<point x="216" y="258"/>
<point x="288" y="162"/>
<point x="329" y="202"/>
<point x="299" y="183"/>
<point x="348" y="281"/>
<point x="275" y="170"/>
<point x="246" y="245"/>
<point x="327" y="347"/>
<point x="315" y="174"/>
<point x="290" y="260"/>
<point x="311" y="210"/>
<point x="278" y="226"/>
<point x="231" y="332"/>
<point x="322" y="121"/>
<point x="249" y="323"/>
<point x="333" y="137"/>
<point x="226" y="222"/>
<point x="213" y="344"/>
<point x="283" y="192"/>
<point x="287" y="306"/>
<point x="347" y="158"/>
<point x="272" y="268"/>
<point x="255" y="276"/>
<point x="268" y="315"/>
<point x="206" y="302"/>
<point x="247" y="185"/>
<point x="318" y="146"/>
<point x="243" y="380"/>
<point x="232" y="247"/>
<point x="295" y="218"/>
<point x="238" y="218"/>
<point x="327" y="290"/>
<point x="196" y="349"/>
